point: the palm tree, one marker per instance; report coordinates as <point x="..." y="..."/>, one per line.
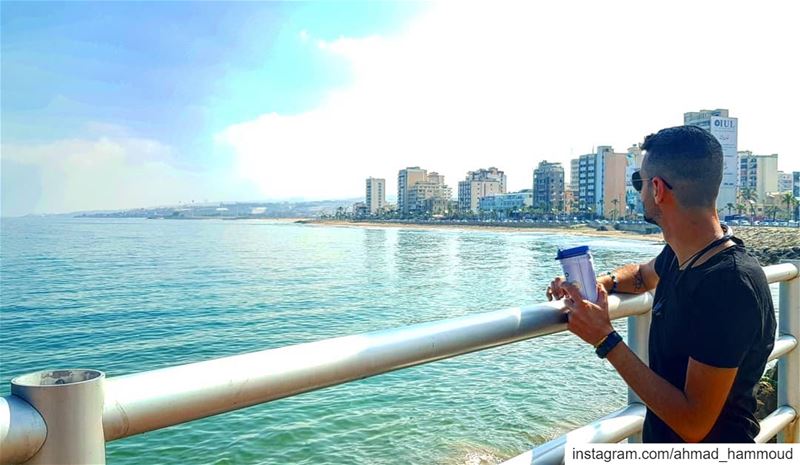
<point x="750" y="196"/>
<point x="615" y="210"/>
<point x="796" y="208"/>
<point x="773" y="211"/>
<point x="729" y="207"/>
<point x="788" y="199"/>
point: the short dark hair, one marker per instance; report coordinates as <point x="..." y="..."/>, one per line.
<point x="690" y="159"/>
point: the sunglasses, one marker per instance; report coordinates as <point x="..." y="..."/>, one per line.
<point x="636" y="180"/>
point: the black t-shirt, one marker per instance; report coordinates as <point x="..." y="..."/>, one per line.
<point x="719" y="313"/>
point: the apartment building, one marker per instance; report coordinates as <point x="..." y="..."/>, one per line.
<point x="406" y="179"/>
<point x="758" y="173"/>
<point x="507" y="202"/>
<point x="430" y="195"/>
<point x="548" y="186"/>
<point x="376" y="196"/>
<point x="480" y="183"/>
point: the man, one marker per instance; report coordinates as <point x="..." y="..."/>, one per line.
<point x="713" y="323"/>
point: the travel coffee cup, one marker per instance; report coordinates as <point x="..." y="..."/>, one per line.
<point x="579" y="270"/>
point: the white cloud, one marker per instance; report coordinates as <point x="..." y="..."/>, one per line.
<point x="510" y="84"/>
<point x="103" y="172"/>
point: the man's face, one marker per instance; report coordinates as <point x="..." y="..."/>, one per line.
<point x="651" y="211"/>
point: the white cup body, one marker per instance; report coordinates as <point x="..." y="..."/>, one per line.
<point x="579" y="270"/>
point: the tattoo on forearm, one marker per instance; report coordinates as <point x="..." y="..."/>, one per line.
<point x="638" y="281"/>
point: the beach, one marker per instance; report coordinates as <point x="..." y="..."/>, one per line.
<point x="576" y="230"/>
<point x="769" y="245"/>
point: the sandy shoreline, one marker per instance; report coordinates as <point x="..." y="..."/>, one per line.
<point x="522" y="228"/>
<point x="769" y="244"/>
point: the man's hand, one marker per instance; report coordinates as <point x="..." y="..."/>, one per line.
<point x="554" y="290"/>
<point x="587" y="320"/>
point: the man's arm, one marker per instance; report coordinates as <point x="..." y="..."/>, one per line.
<point x="690" y="412"/>
<point x="631" y="279"/>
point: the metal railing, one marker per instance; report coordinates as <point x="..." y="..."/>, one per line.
<point x="67" y="416"/>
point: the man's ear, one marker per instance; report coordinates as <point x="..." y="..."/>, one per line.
<point x="658" y="190"/>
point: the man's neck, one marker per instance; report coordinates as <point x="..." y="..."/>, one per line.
<point x="690" y="231"/>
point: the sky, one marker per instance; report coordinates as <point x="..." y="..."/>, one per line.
<point x="115" y="105"/>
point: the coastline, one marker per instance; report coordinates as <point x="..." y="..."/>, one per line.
<point x="577" y="230"/>
<point x="770" y="245"/>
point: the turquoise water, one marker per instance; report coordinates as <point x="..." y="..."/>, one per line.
<point x="124" y="296"/>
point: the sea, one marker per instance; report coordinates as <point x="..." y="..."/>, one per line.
<point x="130" y="295"/>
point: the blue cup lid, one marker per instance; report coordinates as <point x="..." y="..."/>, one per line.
<point x="573" y="252"/>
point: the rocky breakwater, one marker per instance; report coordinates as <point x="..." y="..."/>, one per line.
<point x="770" y="245"/>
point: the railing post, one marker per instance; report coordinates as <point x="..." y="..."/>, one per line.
<point x="638" y="341"/>
<point x="71" y="404"/>
<point x="789" y="364"/>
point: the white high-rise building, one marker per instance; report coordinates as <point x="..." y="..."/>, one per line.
<point x="376" y="195"/>
<point x="758" y="173"/>
<point x="725" y="129"/>
<point x="574" y="169"/>
<point x="480" y="183"/>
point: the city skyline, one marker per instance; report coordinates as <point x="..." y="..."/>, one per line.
<point x="115" y="116"/>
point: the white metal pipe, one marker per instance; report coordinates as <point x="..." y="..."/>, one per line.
<point x="781" y="272"/>
<point x="789" y="365"/>
<point x="783" y="345"/>
<point x="624" y="305"/>
<point x="71" y="404"/>
<point x="609" y="429"/>
<point x="22" y="430"/>
<point x="775" y="422"/>
<point x="151" y="400"/>
<point x="638" y="341"/>
<point x="629" y="421"/>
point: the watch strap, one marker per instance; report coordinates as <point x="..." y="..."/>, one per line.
<point x="608" y="344"/>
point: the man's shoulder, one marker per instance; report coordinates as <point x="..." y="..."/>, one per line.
<point x="663" y="260"/>
<point x="734" y="261"/>
<point x="733" y="274"/>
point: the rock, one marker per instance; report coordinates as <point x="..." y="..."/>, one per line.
<point x="767" y="394"/>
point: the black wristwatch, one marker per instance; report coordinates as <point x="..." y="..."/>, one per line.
<point x="607" y="344"/>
